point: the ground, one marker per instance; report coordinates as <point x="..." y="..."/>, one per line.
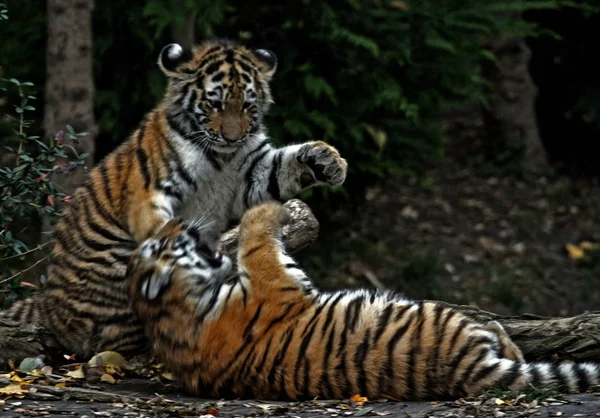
<point x="507" y="244"/>
<point x="138" y="398"/>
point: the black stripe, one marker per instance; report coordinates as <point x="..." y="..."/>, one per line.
<point x="253" y="250"/>
<point x="316" y="314"/>
<point x="249" y="176"/>
<point x="301" y="356"/>
<point x="210" y="305"/>
<point x="472" y="342"/>
<point x="484" y="373"/>
<point x="105" y="180"/>
<point x="330" y="311"/>
<point x="511" y="375"/>
<point x="562" y="382"/>
<point x="273" y="186"/>
<point x="289" y="289"/>
<point x="383" y="322"/>
<point x="248" y="331"/>
<point x="141" y="155"/>
<point x="536" y="377"/>
<point x="100" y="208"/>
<point x="464" y="377"/>
<point x="388" y="372"/>
<point x="280" y="318"/>
<point x="326" y="387"/>
<point x="288" y="335"/>
<point x="291" y="266"/>
<point x="415" y="349"/>
<point x="360" y="357"/>
<point x="353" y="311"/>
<point x="583" y="382"/>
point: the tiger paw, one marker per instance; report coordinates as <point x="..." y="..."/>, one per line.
<point x="325" y="162"/>
<point x="267" y="218"/>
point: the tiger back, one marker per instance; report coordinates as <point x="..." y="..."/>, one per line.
<point x="203" y="152"/>
<point x="265" y="332"/>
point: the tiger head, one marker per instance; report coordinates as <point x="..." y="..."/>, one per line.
<point x="181" y="253"/>
<point x="218" y="91"/>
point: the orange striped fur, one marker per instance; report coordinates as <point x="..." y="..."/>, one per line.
<point x="201" y="153"/>
<point x="265" y="332"/>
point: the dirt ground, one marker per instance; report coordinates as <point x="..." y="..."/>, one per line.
<point x="138" y="398"/>
<point x="506" y="244"/>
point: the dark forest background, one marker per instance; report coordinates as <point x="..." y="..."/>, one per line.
<point x="470" y="128"/>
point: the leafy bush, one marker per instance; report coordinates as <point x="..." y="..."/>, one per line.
<point x="26" y="191"/>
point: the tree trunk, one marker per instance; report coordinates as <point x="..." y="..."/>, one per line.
<point x="185" y="35"/>
<point x="511" y="117"/>
<point x="69" y="84"/>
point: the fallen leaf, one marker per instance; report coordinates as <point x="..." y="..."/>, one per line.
<point x="359" y="400"/>
<point x="69" y="357"/>
<point x="574" y="251"/>
<point x="61" y="385"/>
<point x="11" y="364"/>
<point x="500" y="402"/>
<point x="46" y="370"/>
<point x="363" y="411"/>
<point x="13" y="390"/>
<point x="107" y="358"/>
<point x="76" y="374"/>
<point x="214" y="412"/>
<point x="168" y="375"/>
<point x="30" y="363"/>
<point x="108" y="379"/>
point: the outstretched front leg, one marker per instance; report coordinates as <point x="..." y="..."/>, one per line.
<point x="280" y="174"/>
<point x="261" y="255"/>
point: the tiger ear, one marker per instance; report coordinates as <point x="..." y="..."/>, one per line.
<point x="172" y="58"/>
<point x="268" y="62"/>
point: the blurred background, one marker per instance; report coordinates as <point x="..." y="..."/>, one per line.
<point x="470" y="127"/>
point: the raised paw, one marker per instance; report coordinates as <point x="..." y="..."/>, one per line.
<point x="267" y="217"/>
<point x="325" y="162"/>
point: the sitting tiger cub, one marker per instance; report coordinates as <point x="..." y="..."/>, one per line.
<point x="265" y="332"/>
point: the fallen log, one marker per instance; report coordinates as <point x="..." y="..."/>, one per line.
<point x="542" y="338"/>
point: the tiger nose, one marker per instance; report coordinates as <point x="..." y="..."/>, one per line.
<point x="231" y="135"/>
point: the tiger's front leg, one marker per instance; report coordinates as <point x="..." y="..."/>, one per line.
<point x="280" y="174"/>
<point x="262" y="258"/>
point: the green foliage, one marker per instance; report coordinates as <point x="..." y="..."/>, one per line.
<point x="26" y="190"/>
<point x="369" y="76"/>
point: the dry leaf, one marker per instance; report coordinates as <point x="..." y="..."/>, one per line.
<point x="359" y="400"/>
<point x="13" y="390"/>
<point x="69" y="357"/>
<point x="16" y="378"/>
<point x="586" y="245"/>
<point x="108" y="379"/>
<point x="168" y="375"/>
<point x="574" y="251"/>
<point x="214" y="412"/>
<point x="61" y="385"/>
<point x="11" y="364"/>
<point x="76" y="374"/>
<point x="107" y="358"/>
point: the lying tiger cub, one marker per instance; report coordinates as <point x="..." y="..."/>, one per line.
<point x="265" y="332"/>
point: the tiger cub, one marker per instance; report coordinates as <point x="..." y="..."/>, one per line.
<point x="265" y="332"/>
<point x="202" y="152"/>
